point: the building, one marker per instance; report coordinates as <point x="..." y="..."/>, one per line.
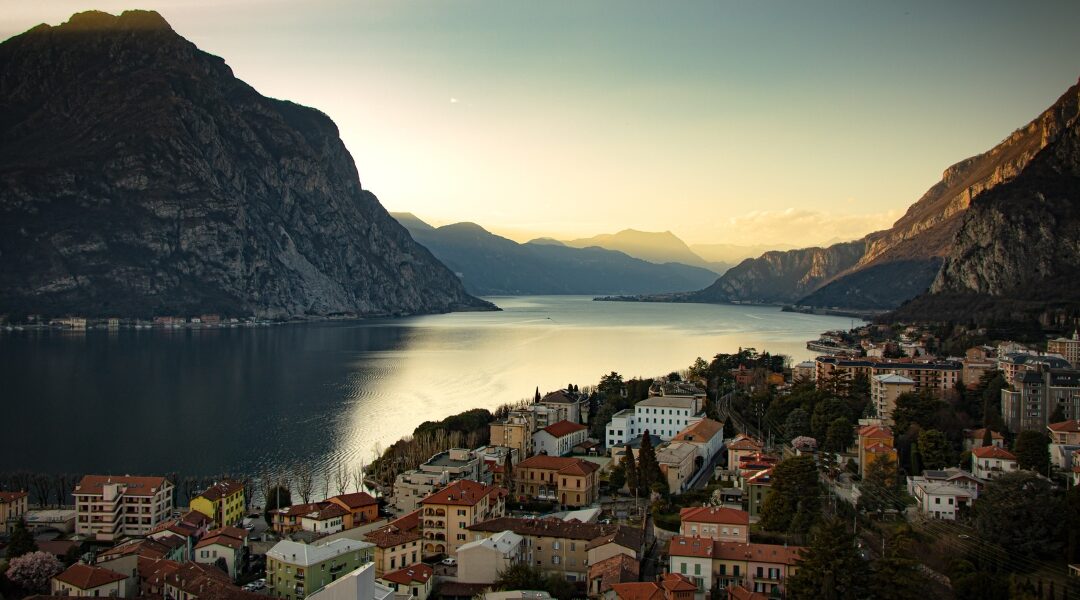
<point x="874" y="442"/>
<point x="670" y="586"/>
<point x="740" y="446"/>
<point x="663" y="416"/>
<point x="1066" y="347"/>
<point x="228" y="545"/>
<point x="559" y="438"/>
<point x="13" y="508"/>
<point x="440" y="470"/>
<point x="446" y="515"/>
<point x="82" y="581"/>
<point x="482" y="560"/>
<point x="884" y="390"/>
<point x="939" y="377"/>
<point x="757" y="487"/>
<point x="360" y="508"/>
<point x="707" y="435"/>
<point x="194" y="581"/>
<point x="1036" y="394"/>
<point x="1065" y="432"/>
<point x="493" y="459"/>
<point x="397" y="544"/>
<point x="973" y="438"/>
<point x="223" y="502"/>
<point x="991" y="462"/>
<point x="566" y="548"/>
<point x="562" y="400"/>
<point x="678" y="462"/>
<point x="977" y="362"/>
<point x="190" y="527"/>
<point x="713" y="564"/>
<point x="939" y="500"/>
<point x="1014" y="364"/>
<point x="515" y="432"/>
<point x="562" y="480"/>
<point x="356" y="585"/>
<point x="720" y="524"/>
<point x="413" y="582"/>
<point x="295" y="570"/>
<point x="803" y="371"/>
<point x="109" y="507"/>
<point x="603" y="575"/>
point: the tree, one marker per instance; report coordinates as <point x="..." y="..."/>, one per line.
<point x="611" y="385"/>
<point x="916" y="409"/>
<point x="793" y="504"/>
<point x="988" y="437"/>
<point x="617" y="478"/>
<point x="630" y="470"/>
<point x="698" y="370"/>
<point x="1058" y="415"/>
<point x="934" y="449"/>
<point x="895" y="575"/>
<point x="878" y="488"/>
<point x="649" y="472"/>
<point x="277" y="496"/>
<point x="22" y="541"/>
<point x="1021" y="512"/>
<point x="830" y="568"/>
<point x="536" y="396"/>
<point x="797" y="424"/>
<point x="1032" y="449"/>
<point x="33" y="571"/>
<point x="305" y="483"/>
<point x="1072" y="525"/>
<point x="824" y="414"/>
<point x="839" y="436"/>
<point x="508" y="469"/>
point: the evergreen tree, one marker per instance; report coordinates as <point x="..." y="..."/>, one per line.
<point x="630" y="470"/>
<point x="22" y="541"/>
<point x="1032" y="449"/>
<point x="933" y="448"/>
<point x="839" y="436"/>
<point x="793" y="503"/>
<point x="988" y="437"/>
<point x="797" y="424"/>
<point x="617" y="478"/>
<point x="1020" y="511"/>
<point x="895" y="576"/>
<point x="830" y="568"/>
<point x="649" y="472"/>
<point x="278" y="497"/>
<point x="536" y="396"/>
<point x="1058" y="415"/>
<point x="508" y="470"/>
<point x="878" y="489"/>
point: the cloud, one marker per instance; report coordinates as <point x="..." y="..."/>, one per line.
<point x="802" y="228"/>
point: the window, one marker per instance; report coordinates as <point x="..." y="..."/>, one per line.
<point x="682" y="568"/>
<point x="760" y="572"/>
<point x="697" y="569"/>
<point x="555" y="545"/>
<point x="555" y="560"/>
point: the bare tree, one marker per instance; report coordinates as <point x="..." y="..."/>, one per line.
<point x="326" y="482"/>
<point x="358" y="478"/>
<point x="341" y="478"/>
<point x="42" y="485"/>
<point x="305" y="483"/>
<point x="62" y="486"/>
<point x="20" y="481"/>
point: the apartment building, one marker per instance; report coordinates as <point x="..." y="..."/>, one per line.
<point x="716" y="523"/>
<point x="563" y="480"/>
<point x="13" y="507"/>
<point x="515" y="431"/>
<point x="707" y="435"/>
<point x="663" y="416"/>
<point x="445" y="467"/>
<point x="223" y="502"/>
<point x="109" y="507"/>
<point x="446" y="515"/>
<point x="295" y="570"/>
<point x="762" y="568"/>
<point x="1036" y="393"/>
<point x="1067" y="347"/>
<point x="938" y="377"/>
<point x="562" y="400"/>
<point x="397" y="544"/>
<point x="559" y="439"/>
<point x="884" y="390"/>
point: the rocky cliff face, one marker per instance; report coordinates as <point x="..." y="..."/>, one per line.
<point x="138" y="176"/>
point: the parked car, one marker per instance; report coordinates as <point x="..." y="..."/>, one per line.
<point x="449" y="561"/>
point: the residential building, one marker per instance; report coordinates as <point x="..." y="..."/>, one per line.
<point x="1036" y="393"/>
<point x="973" y="438"/>
<point x="397" y="544"/>
<point x="670" y="586"/>
<point x="226" y="544"/>
<point x="803" y="371"/>
<point x="445" y="467"/>
<point x="566" y="548"/>
<point x="991" y="462"/>
<point x="13" y="507"/>
<point x="559" y="438"/>
<point x="939" y="377"/>
<point x="874" y="442"/>
<point x="739" y="592"/>
<point x="952" y="476"/>
<point x="482" y="560"/>
<point x="82" y="580"/>
<point x="295" y="570"/>
<point x="356" y="585"/>
<point x="1066" y="347"/>
<point x="223" y="502"/>
<point x="411" y="583"/>
<point x="1065" y="432"/>
<point x="190" y="527"/>
<point x="663" y="416"/>
<point x="605" y="574"/>
<point x="447" y="514"/>
<point x="493" y="461"/>
<point x="884" y="390"/>
<point x="678" y="463"/>
<point x="707" y="435"/>
<point x="1015" y="364"/>
<point x="289" y="519"/>
<point x="721" y="524"/>
<point x="110" y="507"/>
<point x="515" y="432"/>
<point x="563" y="400"/>
<point x="618" y="429"/>
<point x="939" y="500"/>
<point x="192" y="581"/>
<point x="360" y="508"/>
<point x="710" y="563"/>
<point x="740" y="446"/>
<point x="757" y="487"/>
<point x="563" y="480"/>
<point x="977" y="362"/>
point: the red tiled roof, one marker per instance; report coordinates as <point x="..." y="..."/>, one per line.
<point x="615" y="569"/>
<point x="993" y="452"/>
<point x="977" y="434"/>
<point x="682" y="545"/>
<point x="6" y="497"/>
<point x="195" y="519"/>
<point x="674" y="582"/>
<point x="147" y="547"/>
<point x="701" y="431"/>
<point x="301" y="509"/>
<point x="461" y="493"/>
<point x="763" y="553"/>
<point x="407" y="522"/>
<point x="744" y="442"/>
<point x="875" y="431"/>
<point x="1070" y="426"/>
<point x="355" y="500"/>
<point x="738" y="592"/>
<point x="86" y="577"/>
<point x="328" y="510"/>
<point x="638" y="590"/>
<point x="564" y="428"/>
<point x="221" y="490"/>
<point x="399" y="531"/>
<point x="713" y="514"/>
<point x="220" y="540"/>
<point x="418" y="573"/>
<point x="135" y="486"/>
<point x="564" y="465"/>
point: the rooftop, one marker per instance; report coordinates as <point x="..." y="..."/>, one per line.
<point x="893" y="379"/>
<point x="305" y="555"/>
<point x="700" y="431"/>
<point x="86" y="577"/>
<point x="222" y="489"/>
<point x="502" y="542"/>
<point x="564" y="428"/>
<point x="133" y="486"/>
<point x="418" y="573"/>
<point x="993" y="452"/>
<point x="462" y="493"/>
<point x="713" y="514"/>
<point x="1070" y="426"/>
<point x="669" y="402"/>
<point x="355" y="500"/>
<point x="564" y="465"/>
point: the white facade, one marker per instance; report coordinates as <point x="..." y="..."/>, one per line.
<point x="662" y="416"/>
<point x="109" y="508"/>
<point x="992" y="466"/>
<point x="481" y="561"/>
<point x="697" y="568"/>
<point x="548" y="441"/>
<point x="357" y="585"/>
<point x="939" y="500"/>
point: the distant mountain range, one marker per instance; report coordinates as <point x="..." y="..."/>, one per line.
<point x="657" y="247"/>
<point x="492" y="265"/>
<point x="139" y="177"/>
<point x="998" y="226"/>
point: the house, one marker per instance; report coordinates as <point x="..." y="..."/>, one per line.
<point x="356" y="585"/>
<point x="129" y="558"/>
<point x="954" y="476"/>
<point x="326" y="519"/>
<point x="1065" y="432"/>
<point x="671" y="586"/>
<point x="566" y="548"/>
<point x="223" y="502"/>
<point x="678" y="463"/>
<point x="190" y="527"/>
<point x="397" y="544"/>
<point x="82" y="580"/>
<point x="412" y="582"/>
<point x="939" y="500"/>
<point x="885" y="389"/>
<point x="663" y="416"/>
<point x="721" y="524"/>
<point x="110" y="507"/>
<point x="482" y="560"/>
<point x="757" y="487"/>
<point x="563" y="480"/>
<point x="603" y="575"/>
<point x="192" y="581"/>
<point x="739" y="592"/>
<point x="447" y="514"/>
<point x="803" y="371"/>
<point x="289" y="519"/>
<point x="559" y="438"/>
<point x="295" y="570"/>
<point x="515" y="431"/>
<point x="710" y="563"/>
<point x="563" y="400"/>
<point x="740" y="446"/>
<point x="874" y="442"/>
<point x="973" y="438"/>
<point x="434" y="474"/>
<point x="991" y="462"/>
<point x="13" y="507"/>
<point x="707" y="435"/>
<point x="227" y="545"/>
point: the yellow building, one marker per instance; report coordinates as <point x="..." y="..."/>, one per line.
<point x="874" y="443"/>
<point x="446" y="514"/>
<point x="563" y="480"/>
<point x="223" y="502"/>
<point x="12" y="508"/>
<point x="515" y="432"/>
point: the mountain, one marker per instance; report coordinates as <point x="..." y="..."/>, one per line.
<point x="138" y="176"/>
<point x="1016" y="252"/>
<point x="410" y="221"/>
<point x="886" y="268"/>
<point x="733" y="254"/>
<point x="546" y="241"/>
<point x="492" y="265"/>
<point x="656" y="247"/>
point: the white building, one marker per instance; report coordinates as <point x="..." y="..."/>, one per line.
<point x="109" y="508"/>
<point x="707" y="435"/>
<point x="357" y="585"/>
<point x="440" y="470"/>
<point x="939" y="500"/>
<point x="884" y="390"/>
<point x="561" y="400"/>
<point x="989" y="462"/>
<point x="481" y="561"/>
<point x="559" y="439"/>
<point x="662" y="416"/>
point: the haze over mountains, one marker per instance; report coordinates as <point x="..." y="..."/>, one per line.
<point x="139" y="177"/>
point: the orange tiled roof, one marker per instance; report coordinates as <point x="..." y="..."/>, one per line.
<point x="738" y="592"/>
<point x="355" y="500"/>
<point x="222" y="489"/>
<point x="700" y="431"/>
<point x="86" y="577"/>
<point x="674" y="582"/>
<point x="461" y="493"/>
<point x="564" y="428"/>
<point x="744" y="442"/>
<point x="1070" y="426"/>
<point x="993" y="452"/>
<point x="220" y="540"/>
<point x="564" y="465"/>
<point x="875" y="431"/>
<point x="615" y="569"/>
<point x="684" y="545"/>
<point x="11" y="496"/>
<point x="135" y="486"/>
<point x="643" y="590"/>
<point x="713" y="514"/>
<point x="418" y="573"/>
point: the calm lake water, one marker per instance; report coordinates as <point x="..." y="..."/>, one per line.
<point x="243" y="400"/>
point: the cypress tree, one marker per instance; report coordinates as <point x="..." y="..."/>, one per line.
<point x="988" y="437"/>
<point x="22" y="541"/>
<point x="648" y="467"/>
<point x="630" y="469"/>
<point x="536" y="397"/>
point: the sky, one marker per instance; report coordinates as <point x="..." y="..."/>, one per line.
<point x="743" y="122"/>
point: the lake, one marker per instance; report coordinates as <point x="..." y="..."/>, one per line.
<point x="212" y="401"/>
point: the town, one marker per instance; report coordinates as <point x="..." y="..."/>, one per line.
<point x="885" y="468"/>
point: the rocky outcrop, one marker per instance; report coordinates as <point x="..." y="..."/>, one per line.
<point x="138" y="176"/>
